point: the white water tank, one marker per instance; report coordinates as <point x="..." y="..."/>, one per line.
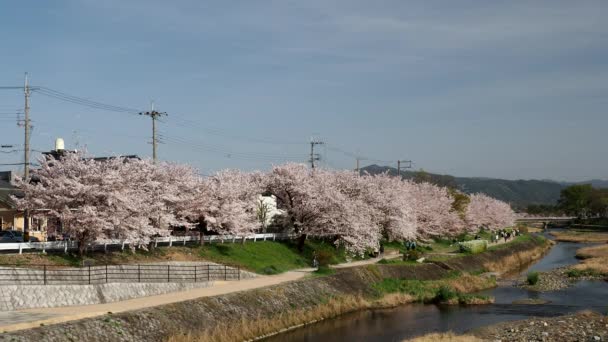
<point x="59" y="144"/>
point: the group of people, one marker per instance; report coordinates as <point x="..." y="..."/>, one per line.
<point x="410" y="245"/>
<point x="505" y="234"/>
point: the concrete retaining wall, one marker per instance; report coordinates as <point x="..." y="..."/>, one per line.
<point x="16" y="297"/>
<point x="134" y="273"/>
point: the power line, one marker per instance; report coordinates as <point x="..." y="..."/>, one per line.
<point x="187" y="123"/>
<point x="83" y="101"/>
<point x="251" y="156"/>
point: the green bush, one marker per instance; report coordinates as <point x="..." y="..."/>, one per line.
<point x="533" y="278"/>
<point x="445" y="293"/>
<point x="473" y="246"/>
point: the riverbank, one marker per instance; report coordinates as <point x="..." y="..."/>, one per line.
<point x="254" y="313"/>
<point x="580" y="236"/>
<point x="582" y="326"/>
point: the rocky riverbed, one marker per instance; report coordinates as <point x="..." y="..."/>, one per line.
<point x="557" y="279"/>
<point x="583" y="326"/>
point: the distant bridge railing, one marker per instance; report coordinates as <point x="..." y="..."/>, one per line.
<point x="545" y="219"/>
<point x="65" y="246"/>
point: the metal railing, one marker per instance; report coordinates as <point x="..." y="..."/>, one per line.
<point x="12" y="274"/>
<point x="65" y="246"/>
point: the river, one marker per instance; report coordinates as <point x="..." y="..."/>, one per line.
<point x="413" y="320"/>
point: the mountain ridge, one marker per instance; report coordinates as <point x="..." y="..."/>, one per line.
<point x="519" y="193"/>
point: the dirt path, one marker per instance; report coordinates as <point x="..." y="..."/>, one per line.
<point x="30" y="318"/>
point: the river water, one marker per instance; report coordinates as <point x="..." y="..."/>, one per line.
<point x="412" y="320"/>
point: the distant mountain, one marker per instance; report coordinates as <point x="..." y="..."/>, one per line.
<point x="519" y="193"/>
<point x="596" y="183"/>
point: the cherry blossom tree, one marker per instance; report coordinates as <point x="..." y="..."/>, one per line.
<point x="324" y="204"/>
<point x="486" y="212"/>
<point x="225" y="203"/>
<point x="392" y="199"/>
<point x="434" y="212"/>
<point x="94" y="199"/>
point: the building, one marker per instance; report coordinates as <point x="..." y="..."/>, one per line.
<point x="10" y="217"/>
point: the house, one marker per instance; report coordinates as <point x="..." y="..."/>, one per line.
<point x="10" y="217"/>
<point x="267" y="210"/>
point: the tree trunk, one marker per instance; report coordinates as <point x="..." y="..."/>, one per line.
<point x="301" y="242"/>
<point x="82" y="246"/>
<point x="202" y="226"/>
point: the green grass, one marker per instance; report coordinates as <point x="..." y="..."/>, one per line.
<point x="444" y="246"/>
<point x="434" y="291"/>
<point x="323" y="271"/>
<point x="269" y="257"/>
<point x="265" y="257"/>
<point x="518" y="239"/>
<point x="576" y="273"/>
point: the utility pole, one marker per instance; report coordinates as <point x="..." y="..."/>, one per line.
<point x="314" y="156"/>
<point x="408" y="166"/>
<point x="26" y="154"/>
<point x="26" y="123"/>
<point x="26" y="146"/>
<point x="154" y="115"/>
<point x="358" y="165"/>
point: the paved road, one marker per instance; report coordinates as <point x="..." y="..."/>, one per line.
<point x="30" y="318"/>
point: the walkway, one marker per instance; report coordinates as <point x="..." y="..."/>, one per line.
<point x="31" y="318"/>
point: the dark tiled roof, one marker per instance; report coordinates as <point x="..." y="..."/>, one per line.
<point x="6" y="190"/>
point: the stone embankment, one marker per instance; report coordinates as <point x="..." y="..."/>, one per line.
<point x="272" y="308"/>
<point x="18" y="297"/>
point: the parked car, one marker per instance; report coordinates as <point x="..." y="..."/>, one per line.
<point x="8" y="236"/>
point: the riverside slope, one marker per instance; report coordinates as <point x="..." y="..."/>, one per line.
<point x="269" y="304"/>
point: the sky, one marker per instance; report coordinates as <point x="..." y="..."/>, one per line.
<point x="505" y="89"/>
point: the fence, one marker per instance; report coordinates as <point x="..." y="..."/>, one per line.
<point x="121" y="244"/>
<point x="142" y="273"/>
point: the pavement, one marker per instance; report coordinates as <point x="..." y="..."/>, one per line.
<point x="31" y="318"/>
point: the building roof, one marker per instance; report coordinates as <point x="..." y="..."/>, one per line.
<point x="7" y="189"/>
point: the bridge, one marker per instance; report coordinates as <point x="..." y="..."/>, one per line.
<point x="545" y="220"/>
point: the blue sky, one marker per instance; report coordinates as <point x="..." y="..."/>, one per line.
<point x="509" y="89"/>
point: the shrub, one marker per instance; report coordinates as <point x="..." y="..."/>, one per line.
<point x="523" y="229"/>
<point x="324" y="258"/>
<point x="270" y="270"/>
<point x="474" y="246"/>
<point x="533" y="278"/>
<point x="445" y="293"/>
<point x="412" y="255"/>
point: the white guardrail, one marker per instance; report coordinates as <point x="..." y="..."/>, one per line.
<point x="65" y="246"/>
